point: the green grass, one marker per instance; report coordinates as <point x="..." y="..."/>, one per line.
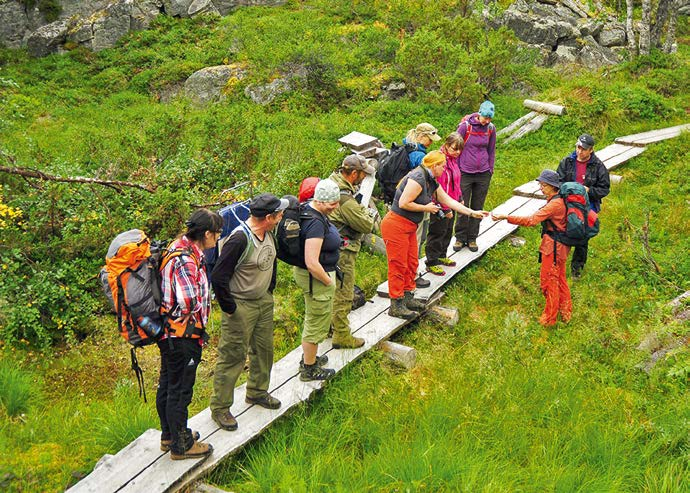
<point x="17" y="389"/>
<point x="496" y="403"/>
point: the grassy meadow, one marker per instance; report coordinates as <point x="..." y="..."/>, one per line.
<point x="496" y="402"/>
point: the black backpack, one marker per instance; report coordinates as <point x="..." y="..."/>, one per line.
<point x="393" y="168"/>
<point x="290" y="248"/>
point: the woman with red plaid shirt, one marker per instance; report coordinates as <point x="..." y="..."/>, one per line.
<point x="186" y="302"/>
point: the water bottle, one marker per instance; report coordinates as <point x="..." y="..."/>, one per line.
<point x="151" y="327"/>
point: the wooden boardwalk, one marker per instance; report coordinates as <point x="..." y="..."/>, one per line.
<point x="622" y="150"/>
<point x="142" y="467"/>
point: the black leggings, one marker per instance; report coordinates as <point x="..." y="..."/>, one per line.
<point x="176" y="387"/>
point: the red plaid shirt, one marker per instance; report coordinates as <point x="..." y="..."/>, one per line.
<point x="185" y="285"/>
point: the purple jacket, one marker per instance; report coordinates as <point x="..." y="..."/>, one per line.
<point x="450" y="179"/>
<point x="480" y="148"/>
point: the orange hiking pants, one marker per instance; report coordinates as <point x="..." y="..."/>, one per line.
<point x="400" y="237"/>
<point x="555" y="288"/>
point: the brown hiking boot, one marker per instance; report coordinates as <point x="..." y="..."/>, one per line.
<point x="413" y="304"/>
<point x="198" y="449"/>
<point x="266" y="401"/>
<point x="166" y="444"/>
<point x="347" y="342"/>
<point x="399" y="310"/>
<point x="224" y="419"/>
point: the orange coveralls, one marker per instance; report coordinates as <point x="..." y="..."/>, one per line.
<point x="554" y="284"/>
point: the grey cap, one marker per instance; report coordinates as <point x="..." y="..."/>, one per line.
<point x="585" y="141"/>
<point x="357" y="162"/>
<point x="549" y="177"/>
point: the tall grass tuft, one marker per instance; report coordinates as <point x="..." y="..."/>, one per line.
<point x="16" y="389"/>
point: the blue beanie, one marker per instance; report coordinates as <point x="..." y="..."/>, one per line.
<point x="487" y="109"/>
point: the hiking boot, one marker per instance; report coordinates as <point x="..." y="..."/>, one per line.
<point x="458" y="245"/>
<point x="166" y="444"/>
<point x="576" y="274"/>
<point x="420" y="282"/>
<point x="347" y="342"/>
<point x="447" y="262"/>
<point x="315" y="372"/>
<point x="267" y="401"/>
<point x="399" y="310"/>
<point x="413" y="304"/>
<point x="198" y="449"/>
<point x="436" y="270"/>
<point x="224" y="419"/>
<point x="320" y="361"/>
<point x="472" y="245"/>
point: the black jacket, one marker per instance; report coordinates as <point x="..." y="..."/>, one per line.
<point x="596" y="177"/>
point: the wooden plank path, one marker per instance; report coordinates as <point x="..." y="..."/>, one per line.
<point x="142" y="467"/>
<point x="652" y="136"/>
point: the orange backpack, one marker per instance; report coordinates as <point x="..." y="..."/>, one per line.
<point x="131" y="280"/>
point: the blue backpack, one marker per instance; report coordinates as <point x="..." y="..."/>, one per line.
<point x="233" y="215"/>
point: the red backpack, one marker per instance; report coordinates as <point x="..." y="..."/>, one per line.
<point x="307" y="188"/>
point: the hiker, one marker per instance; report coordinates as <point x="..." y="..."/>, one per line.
<point x="477" y="166"/>
<point x="423" y="135"/>
<point x="317" y="281"/>
<point x="418" y="193"/>
<point x="187" y="302"/>
<point x="584" y="167"/>
<point x="243" y="280"/>
<point x="353" y="220"/>
<point x="554" y="285"/>
<point x="441" y="227"/>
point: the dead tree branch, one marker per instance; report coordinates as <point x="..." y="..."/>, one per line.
<point x="40" y="175"/>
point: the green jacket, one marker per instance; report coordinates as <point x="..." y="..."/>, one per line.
<point x="352" y="219"/>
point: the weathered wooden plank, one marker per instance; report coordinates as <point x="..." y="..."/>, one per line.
<point x="611" y="151"/>
<point x="616" y="161"/>
<point x="516" y="124"/>
<point x="541" y="107"/>
<point x="116" y="471"/>
<point x="357" y="141"/>
<point x="531" y="126"/>
<point x="645" y="138"/>
<point x="530" y="189"/>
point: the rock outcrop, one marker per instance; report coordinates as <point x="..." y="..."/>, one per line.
<point x="98" y="24"/>
<point x="209" y="84"/>
<point x="563" y="32"/>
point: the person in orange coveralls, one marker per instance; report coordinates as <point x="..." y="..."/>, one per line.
<point x="554" y="285"/>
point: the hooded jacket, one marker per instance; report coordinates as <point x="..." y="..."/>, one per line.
<point x="352" y="219"/>
<point x="596" y="177"/>
<point x="479" y="153"/>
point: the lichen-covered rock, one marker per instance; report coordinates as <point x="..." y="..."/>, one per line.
<point x="14" y="23"/>
<point x="199" y="7"/>
<point x="227" y="6"/>
<point x="110" y="24"/>
<point x="266" y="93"/>
<point x="47" y="39"/>
<point x="593" y="55"/>
<point x="612" y="34"/>
<point x="177" y="8"/>
<point x="208" y="84"/>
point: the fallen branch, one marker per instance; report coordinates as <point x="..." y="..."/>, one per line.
<point x="644" y="237"/>
<point x="32" y="173"/>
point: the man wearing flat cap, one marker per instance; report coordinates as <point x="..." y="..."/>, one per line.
<point x="353" y="221"/>
<point x="584" y="167"/>
<point x="243" y="279"/>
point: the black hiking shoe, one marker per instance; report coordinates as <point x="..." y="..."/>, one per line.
<point x="420" y="282"/>
<point x="315" y="372"/>
<point x="320" y="361"/>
